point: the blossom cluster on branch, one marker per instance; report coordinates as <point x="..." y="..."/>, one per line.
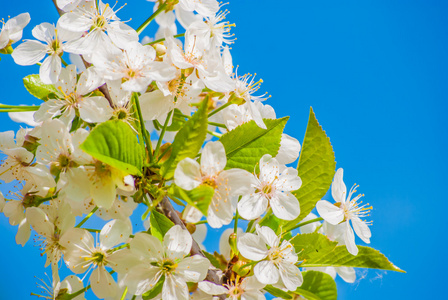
<point x="168" y="124"/>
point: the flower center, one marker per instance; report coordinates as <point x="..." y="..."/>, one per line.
<point x="168" y="265"/>
<point x="210" y="181"/>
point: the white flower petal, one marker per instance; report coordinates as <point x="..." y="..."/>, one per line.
<point x="331" y="213"/>
<point x="113" y="233"/>
<point x="146" y="246"/>
<point x="174" y="288"/>
<point x="268" y="235"/>
<point x="95" y="109"/>
<point x="177" y="242"/>
<point x="193" y="268"/>
<point x="289" y="150"/>
<point x="252" y="206"/>
<point x="349" y="238"/>
<point x="102" y="283"/>
<point x="362" y="229"/>
<point x="348" y="274"/>
<point x="187" y="174"/>
<point x="291" y="276"/>
<point x="285" y="206"/>
<point x="252" y="247"/>
<point x="141" y="278"/>
<point x="213" y="158"/>
<point x="29" y="53"/>
<point x="211" y="288"/>
<point x="266" y="272"/>
<point x="40" y="222"/>
<point x="338" y="188"/>
<point x="50" y="69"/>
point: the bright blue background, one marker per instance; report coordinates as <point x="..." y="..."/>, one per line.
<point x="375" y="73"/>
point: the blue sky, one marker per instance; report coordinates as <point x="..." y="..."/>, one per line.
<point x="375" y="73"/>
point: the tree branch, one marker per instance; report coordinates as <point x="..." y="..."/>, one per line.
<point x="170" y="212"/>
<point x="103" y="89"/>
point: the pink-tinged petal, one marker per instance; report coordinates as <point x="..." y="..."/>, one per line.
<point x="177" y="242"/>
<point x="29" y="53"/>
<point x="268" y="235"/>
<point x="362" y="229"/>
<point x="252" y="206"/>
<point x="193" y="268"/>
<point x="338" y="188"/>
<point x="285" y="206"/>
<point x="146" y="247"/>
<point x="213" y="158"/>
<point x="174" y="288"/>
<point x="141" y="278"/>
<point x="291" y="276"/>
<point x="23" y="233"/>
<point x="266" y="272"/>
<point x="331" y="213"/>
<point x="187" y="174"/>
<point x="348" y="274"/>
<point x="102" y="283"/>
<point x="349" y="238"/>
<point x="114" y="233"/>
<point x="40" y="222"/>
<point x="252" y="247"/>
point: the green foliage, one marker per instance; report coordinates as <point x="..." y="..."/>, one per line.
<point x="247" y="143"/>
<point x="157" y="289"/>
<point x="316" y="168"/>
<point x="318" y="251"/>
<point x="276" y="292"/>
<point x="38" y="89"/>
<point x="115" y="143"/>
<point x="214" y="261"/>
<point x="272" y="222"/>
<point x="317" y="286"/>
<point x="199" y="197"/>
<point x="159" y="224"/>
<point x="188" y="141"/>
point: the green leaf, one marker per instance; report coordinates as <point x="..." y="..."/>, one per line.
<point x="115" y="143"/>
<point x="247" y="143"/>
<point x="318" y="251"/>
<point x="276" y="292"/>
<point x="188" y="141"/>
<point x="152" y="293"/>
<point x="316" y="168"/>
<point x="317" y="286"/>
<point x="38" y="89"/>
<point x="311" y="244"/>
<point x="213" y="260"/>
<point x="272" y="222"/>
<point x="159" y="224"/>
<point x="199" y="197"/>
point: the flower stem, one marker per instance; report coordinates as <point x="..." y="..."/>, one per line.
<point x="144" y="132"/>
<point x="152" y="17"/>
<point x="87" y="217"/>
<point x="235" y="225"/>
<point x="124" y="293"/>
<point x="219" y="109"/>
<point x="163" y="39"/>
<point x="306" y="223"/>
<point x="159" y="142"/>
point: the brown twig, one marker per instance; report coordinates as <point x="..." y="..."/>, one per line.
<point x="170" y="212"/>
<point x="103" y="89"/>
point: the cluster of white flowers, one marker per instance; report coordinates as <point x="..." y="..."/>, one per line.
<point x="154" y="87"/>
